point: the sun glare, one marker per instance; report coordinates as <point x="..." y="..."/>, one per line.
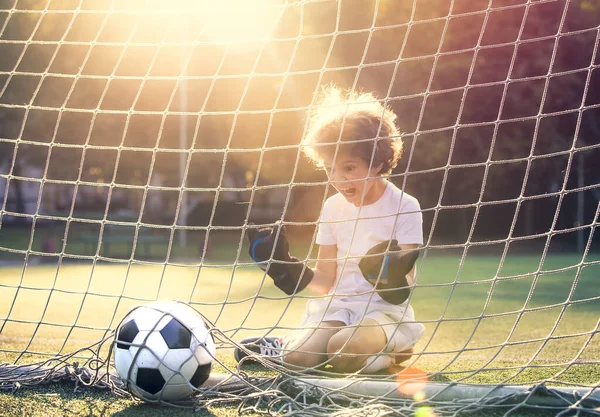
<point x="411" y="381"/>
<point x="238" y="20"/>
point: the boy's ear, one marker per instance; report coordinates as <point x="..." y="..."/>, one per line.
<point x="377" y="168"/>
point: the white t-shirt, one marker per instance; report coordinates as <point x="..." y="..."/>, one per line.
<point x="355" y="230"/>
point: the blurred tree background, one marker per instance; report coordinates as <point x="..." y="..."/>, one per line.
<point x="498" y="103"/>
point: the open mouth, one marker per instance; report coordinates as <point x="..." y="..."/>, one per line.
<point x="349" y="192"/>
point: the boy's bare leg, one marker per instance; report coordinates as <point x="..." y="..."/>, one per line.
<point x="404" y="355"/>
<point x="309" y="348"/>
<point x="350" y="348"/>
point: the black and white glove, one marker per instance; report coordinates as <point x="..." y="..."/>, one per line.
<point x="288" y="273"/>
<point x="385" y="267"/>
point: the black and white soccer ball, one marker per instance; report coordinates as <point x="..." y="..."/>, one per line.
<point x="163" y="351"/>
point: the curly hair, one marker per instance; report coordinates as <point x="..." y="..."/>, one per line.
<point x="353" y="124"/>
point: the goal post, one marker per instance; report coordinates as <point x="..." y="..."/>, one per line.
<point x="140" y="139"/>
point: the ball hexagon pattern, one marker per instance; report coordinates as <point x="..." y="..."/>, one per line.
<point x="163" y="351"/>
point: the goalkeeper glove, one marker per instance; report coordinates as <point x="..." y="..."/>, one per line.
<point x="290" y="277"/>
<point x="386" y="269"/>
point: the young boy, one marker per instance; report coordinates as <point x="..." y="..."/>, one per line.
<point x="367" y="235"/>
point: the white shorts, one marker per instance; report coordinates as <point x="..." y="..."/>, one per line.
<point x="398" y="322"/>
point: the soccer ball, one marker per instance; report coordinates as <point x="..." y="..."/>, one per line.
<point x="163" y="351"/>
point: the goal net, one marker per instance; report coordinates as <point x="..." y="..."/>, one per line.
<point x="139" y="139"/>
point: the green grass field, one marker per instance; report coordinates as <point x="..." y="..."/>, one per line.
<point x="522" y="323"/>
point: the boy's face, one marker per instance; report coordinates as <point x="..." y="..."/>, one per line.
<point x="351" y="176"/>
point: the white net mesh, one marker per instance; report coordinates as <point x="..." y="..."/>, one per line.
<point x="139" y="139"/>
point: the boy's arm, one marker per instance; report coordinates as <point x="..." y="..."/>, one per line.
<point x="325" y="270"/>
<point x="411" y="274"/>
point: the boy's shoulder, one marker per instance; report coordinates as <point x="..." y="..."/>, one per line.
<point x="406" y="201"/>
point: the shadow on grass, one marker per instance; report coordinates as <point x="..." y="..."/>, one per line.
<point x="54" y="400"/>
<point x="61" y="399"/>
<point x="150" y="410"/>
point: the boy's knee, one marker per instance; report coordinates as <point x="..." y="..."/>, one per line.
<point x="355" y="345"/>
<point x="347" y="355"/>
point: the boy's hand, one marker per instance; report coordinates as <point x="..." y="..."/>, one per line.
<point x="261" y="248"/>
<point x="386" y="268"/>
<point x="289" y="275"/>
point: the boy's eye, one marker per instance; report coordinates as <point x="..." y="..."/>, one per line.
<point x="349" y="168"/>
